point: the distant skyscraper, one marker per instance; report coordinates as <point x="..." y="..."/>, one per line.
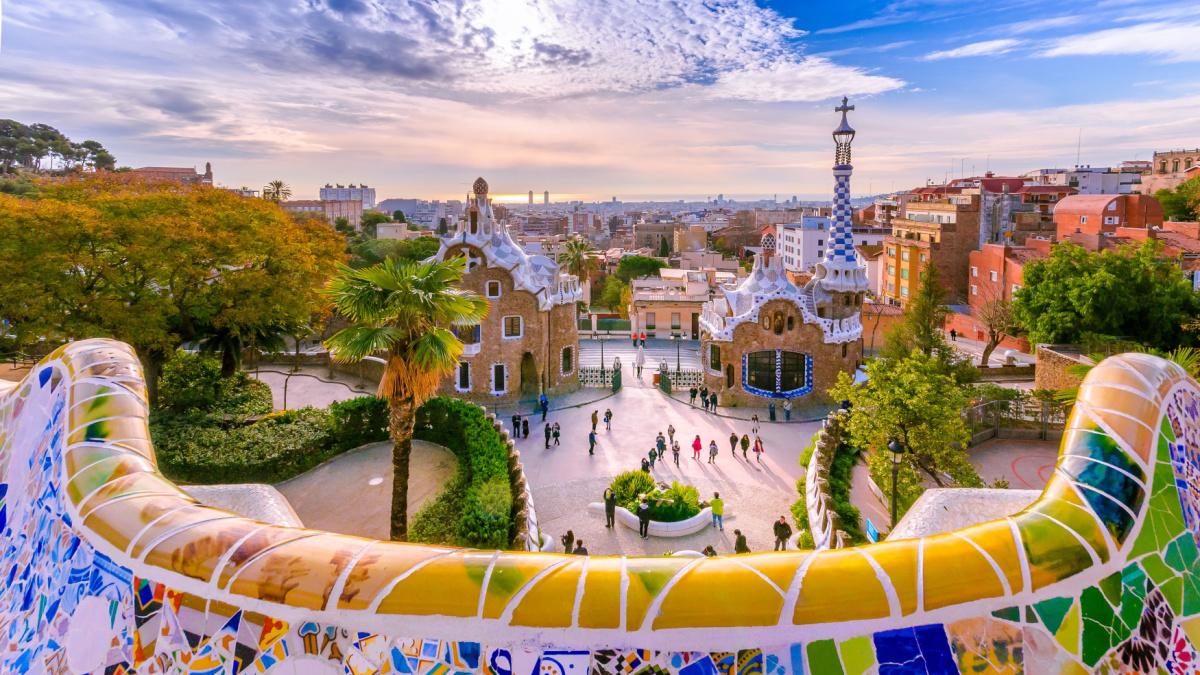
<point x="720" y="198"/>
<point x="531" y="197"/>
<point x="546" y="197"/>
<point x="614" y="200"/>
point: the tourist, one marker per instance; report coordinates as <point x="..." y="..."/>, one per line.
<point x="653" y="456"/>
<point x="579" y="549"/>
<point x="754" y="424"/>
<point x="557" y="433"/>
<point x="549" y="432"/>
<point x="671" y="433"/>
<point x="712" y="402"/>
<point x="643" y="339"/>
<point x="634" y="340"/>
<point x="545" y="402"/>
<point x="524" y="426"/>
<point x="696" y="445"/>
<point x="692" y="396"/>
<point x="733" y="440"/>
<point x="610" y="507"/>
<point x="712" y="452"/>
<point x="783" y="531"/>
<point x="953" y="335"/>
<point x="643" y="518"/>
<point x="592" y="442"/>
<point x="645" y="465"/>
<point x="739" y="544"/>
<point x="718" y="511"/>
<point x="704" y="397"/>
<point x="745" y="446"/>
<point x="709" y="551"/>
<point x="567" y="540"/>
<point x="675" y="451"/>
<point x="516" y="422"/>
<point x="787" y="410"/>
<point x="660" y="443"/>
<point x="608" y="419"/>
<point x="595" y="419"/>
<point x="758" y="448"/>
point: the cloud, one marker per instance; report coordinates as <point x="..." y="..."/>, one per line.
<point x="1175" y="41"/>
<point x="987" y="48"/>
<point x="811" y="79"/>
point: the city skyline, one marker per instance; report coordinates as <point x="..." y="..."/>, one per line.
<point x="674" y="100"/>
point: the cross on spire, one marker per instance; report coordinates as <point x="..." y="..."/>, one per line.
<point x="844" y="108"/>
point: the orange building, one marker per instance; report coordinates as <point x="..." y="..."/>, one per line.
<point x="1093" y="214"/>
<point x="941" y="229"/>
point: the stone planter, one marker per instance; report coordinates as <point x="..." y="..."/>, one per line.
<point x="681" y="528"/>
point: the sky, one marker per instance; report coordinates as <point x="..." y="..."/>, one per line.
<point x="633" y="99"/>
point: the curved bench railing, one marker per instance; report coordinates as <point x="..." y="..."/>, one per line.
<point x="109" y="566"/>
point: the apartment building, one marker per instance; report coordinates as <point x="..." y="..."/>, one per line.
<point x="341" y="193"/>
<point x="650" y="235"/>
<point x="328" y="209"/>
<point x="1092" y="214"/>
<point x="1088" y="180"/>
<point x="941" y="229"/>
<point x="672" y="302"/>
<point x="1169" y="169"/>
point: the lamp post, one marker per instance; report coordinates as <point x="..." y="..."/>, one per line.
<point x="897" y="450"/>
<point x="677" y="338"/>
<point x="603" y="371"/>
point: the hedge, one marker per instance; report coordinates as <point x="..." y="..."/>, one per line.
<point x="840" y="471"/>
<point x="199" y="448"/>
<point x="485" y="518"/>
<point x="612" y="324"/>
<point x="629" y="486"/>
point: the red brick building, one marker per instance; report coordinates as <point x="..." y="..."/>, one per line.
<point x="184" y="175"/>
<point x="1092" y="214"/>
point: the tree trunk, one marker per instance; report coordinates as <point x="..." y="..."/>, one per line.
<point x="151" y="370"/>
<point x="229" y="361"/>
<point x="992" y="343"/>
<point x="403" y="413"/>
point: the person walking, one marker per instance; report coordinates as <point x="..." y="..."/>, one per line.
<point x="745" y="446"/>
<point x="670" y="433"/>
<point x="787" y="410"/>
<point x="645" y="465"/>
<point x="610" y="507"/>
<point x="557" y="433"/>
<point x="595" y="419"/>
<point x="712" y="452"/>
<point x="653" y="456"/>
<point x="718" y="511"/>
<point x="516" y="422"/>
<point x="953" y="335"/>
<point x="709" y="551"/>
<point x="712" y="402"/>
<point x="592" y="442"/>
<point x="545" y="406"/>
<point x="739" y="544"/>
<point x="696" y="446"/>
<point x="704" y="397"/>
<point x="567" y="540"/>
<point x="579" y="549"/>
<point x="675" y="452"/>
<point x="733" y="440"/>
<point x="758" y="448"/>
<point x="692" y="396"/>
<point x="660" y="443"/>
<point x="643" y="518"/>
<point x="524" y="426"/>
<point x="548" y="434"/>
<point x="783" y="531"/>
<point x="754" y="424"/>
<point x="608" y="419"/>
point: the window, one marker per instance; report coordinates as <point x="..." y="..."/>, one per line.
<point x="845" y="350"/>
<point x="904" y="291"/>
<point x="493" y="289"/>
<point x="846" y="300"/>
<point x="1175" y="166"/>
<point x="568" y="361"/>
<point x="974" y="289"/>
<point x="921" y="257"/>
<point x="1083" y="220"/>
<point x="468" y="335"/>
<point x="892" y="270"/>
<point x="714" y="357"/>
<point x="651" y="321"/>
<point x="499" y="378"/>
<point x="778" y="323"/>
<point x="791" y="322"/>
<point x="1187" y="164"/>
<point x="729" y="376"/>
<point x="674" y="320"/>
<point x="775" y="373"/>
<point x="891" y="287"/>
<point x="463" y="381"/>
<point x="992" y="275"/>
<point x="904" y="255"/>
<point x="820" y="242"/>
<point x="760" y="370"/>
<point x="904" y="274"/>
<point x="512" y="327"/>
<point x="891" y="252"/>
<point x="1112" y="206"/>
<point x="1111" y="220"/>
<point x="820" y="253"/>
<point x="921" y="276"/>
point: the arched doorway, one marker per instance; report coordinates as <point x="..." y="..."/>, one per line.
<point x="529" y="376"/>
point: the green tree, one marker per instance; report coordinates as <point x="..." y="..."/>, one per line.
<point x="613" y="292"/>
<point x="638" y="266"/>
<point x="398" y="216"/>
<point x="406" y="311"/>
<point x="914" y="402"/>
<point x="342" y="224"/>
<point x="441" y="228"/>
<point x="370" y="222"/>
<point x="277" y="191"/>
<point x="1182" y="203"/>
<point x="1133" y="292"/>
<point x="579" y="260"/>
<point x="664" y="247"/>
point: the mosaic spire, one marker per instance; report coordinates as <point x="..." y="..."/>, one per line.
<point x="840" y="271"/>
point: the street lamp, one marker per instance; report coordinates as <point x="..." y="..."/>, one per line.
<point x="897" y="450"/>
<point x="677" y="338"/>
<point x="603" y="371"/>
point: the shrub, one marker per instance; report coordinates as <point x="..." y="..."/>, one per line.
<point x="685" y="499"/>
<point x="840" y="472"/>
<point x="359" y="421"/>
<point x="629" y="485"/>
<point x="193" y="383"/>
<point x="437" y="521"/>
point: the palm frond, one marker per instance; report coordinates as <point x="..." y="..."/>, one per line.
<point x="354" y="343"/>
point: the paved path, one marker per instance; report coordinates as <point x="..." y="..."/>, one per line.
<point x="1026" y="465"/>
<point x="311" y="386"/>
<point x="352" y="493"/>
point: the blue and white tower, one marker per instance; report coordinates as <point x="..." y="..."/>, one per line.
<point x="841" y="271"/>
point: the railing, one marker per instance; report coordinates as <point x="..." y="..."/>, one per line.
<point x="824" y="523"/>
<point x="1020" y="419"/>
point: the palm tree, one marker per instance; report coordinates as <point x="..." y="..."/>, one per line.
<point x="405" y="310"/>
<point x="579" y="260"/>
<point x="277" y="191"/>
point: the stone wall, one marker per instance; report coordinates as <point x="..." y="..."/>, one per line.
<point x="827" y="359"/>
<point x="824" y="523"/>
<point x="1052" y="364"/>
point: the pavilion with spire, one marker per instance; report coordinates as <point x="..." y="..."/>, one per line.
<point x="770" y="339"/>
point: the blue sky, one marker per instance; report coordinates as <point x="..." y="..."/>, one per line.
<point x="626" y="98"/>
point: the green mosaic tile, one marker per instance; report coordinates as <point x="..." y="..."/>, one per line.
<point x="857" y="655"/>
<point x="1191" y="595"/>
<point x="1168" y="432"/>
<point x="1111" y="587"/>
<point x="823" y="658"/>
<point x="1133" y="595"/>
<point x="1103" y="629"/>
<point x="1164" y="520"/>
<point x="1052" y="612"/>
<point x="1030" y="617"/>
<point x="1157" y="570"/>
<point x="1181" y="553"/>
<point x="1008" y="614"/>
<point x="1172" y="590"/>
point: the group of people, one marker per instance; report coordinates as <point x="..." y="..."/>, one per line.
<point x="708" y="400"/>
<point x="568" y="540"/>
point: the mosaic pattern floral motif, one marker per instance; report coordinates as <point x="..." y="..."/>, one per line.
<point x="110" y="569"/>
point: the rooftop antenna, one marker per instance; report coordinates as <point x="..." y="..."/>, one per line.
<point x="1078" y="147"/>
<point x="989" y="163"/>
